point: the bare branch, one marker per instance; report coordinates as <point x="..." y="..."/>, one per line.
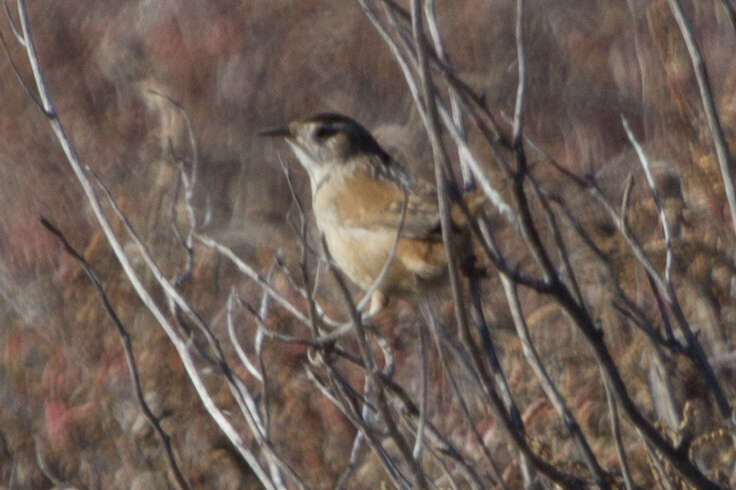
<point x="180" y="345"/>
<point x="728" y="5"/>
<point x="129" y="355"/>
<point x="694" y="350"/>
<point x="521" y="84"/>
<point x="44" y="466"/>
<point x="709" y="106"/>
<point x="501" y="383"/>
<point x="13" y="27"/>
<point x="559" y="240"/>
<point x="592" y="333"/>
<point x="236" y="343"/>
<point x="372" y="372"/>
<point x="657" y="468"/>
<point x="433" y="324"/>
<point x="189" y="182"/>
<point x="355" y="453"/>
<point x="423" y="395"/>
<point x="443" y="173"/>
<point x="389" y="260"/>
<point x="399" y="480"/>
<point x="258" y="343"/>
<point x="19" y="77"/>
<point x="655" y="195"/>
<point x="615" y="429"/>
<point x="472" y="103"/>
<point x="258" y="279"/>
<point x="319" y="342"/>
<point x="45" y="101"/>
<point x="455" y="103"/>
<point x="553" y="394"/>
<point x="409" y="64"/>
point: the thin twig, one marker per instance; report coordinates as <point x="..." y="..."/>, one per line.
<point x="129" y="355"/>
<point x="433" y="324"/>
<point x="694" y="349"/>
<point x="355" y="453"/>
<point x="423" y="395"/>
<point x="731" y="10"/>
<point x="592" y="333"/>
<point x="180" y="345"/>
<point x="616" y="431"/>
<point x="663" y="314"/>
<point x="661" y="475"/>
<point x="258" y="343"/>
<point x="44" y="466"/>
<point x="372" y="371"/>
<point x="499" y="376"/>
<point x="544" y="200"/>
<point x="240" y="392"/>
<point x="472" y="102"/>
<point x="409" y="65"/>
<point x="655" y="196"/>
<point x="189" y="181"/>
<point x="238" y="389"/>
<point x="440" y="482"/>
<point x="18" y="76"/>
<point x="13" y="27"/>
<point x="317" y="343"/>
<point x="444" y="179"/>
<point x="261" y="421"/>
<point x="550" y="390"/>
<point x="455" y="104"/>
<point x="709" y="106"/>
<point x="246" y="269"/>
<point x="399" y="480"/>
<point x="391" y="255"/>
<point x="577" y="312"/>
<point x="521" y="83"/>
<point x="247" y="364"/>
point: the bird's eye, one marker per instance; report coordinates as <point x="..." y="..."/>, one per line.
<point x="324" y="132"/>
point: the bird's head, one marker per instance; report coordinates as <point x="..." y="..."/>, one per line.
<point x="325" y="142"/>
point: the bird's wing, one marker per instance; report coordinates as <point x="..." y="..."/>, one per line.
<point x="377" y="203"/>
<point x="371" y="201"/>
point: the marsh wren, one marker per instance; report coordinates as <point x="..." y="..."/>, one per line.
<point x="359" y="197"/>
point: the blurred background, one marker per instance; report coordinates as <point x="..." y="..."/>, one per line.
<point x="240" y="66"/>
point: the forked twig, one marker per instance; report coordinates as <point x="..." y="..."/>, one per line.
<point x="129" y="355"/>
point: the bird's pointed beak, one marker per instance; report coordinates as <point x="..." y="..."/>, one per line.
<point x="275" y="133"/>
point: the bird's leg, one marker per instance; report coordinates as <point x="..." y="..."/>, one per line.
<point x="378" y="303"/>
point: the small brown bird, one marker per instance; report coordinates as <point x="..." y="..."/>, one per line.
<point x="358" y="197"/>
